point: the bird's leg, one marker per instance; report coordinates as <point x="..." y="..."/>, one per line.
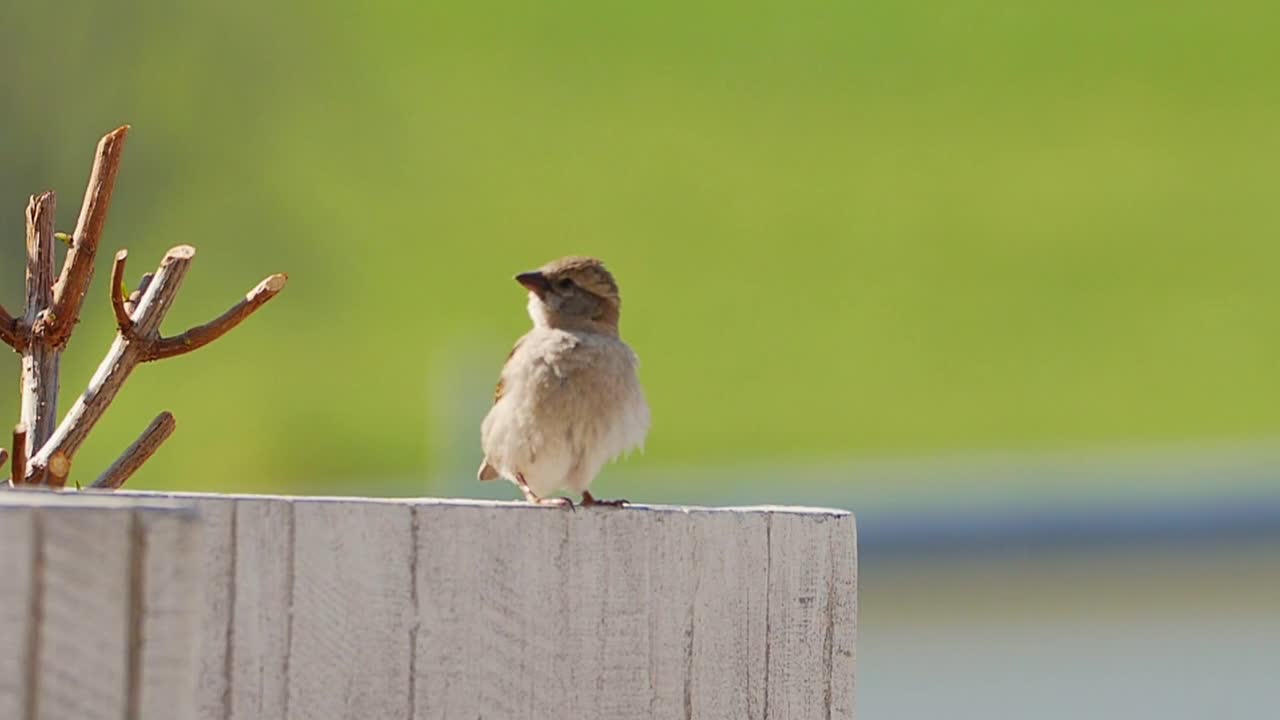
<point x="524" y="488"/>
<point x="588" y="500"/>
<point x="531" y="497"/>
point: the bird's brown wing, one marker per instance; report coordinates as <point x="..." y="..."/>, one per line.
<point x="487" y="471"/>
<point x="497" y="391"/>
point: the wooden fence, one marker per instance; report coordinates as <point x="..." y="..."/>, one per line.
<point x="236" y="607"/>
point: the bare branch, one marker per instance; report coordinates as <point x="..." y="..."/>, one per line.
<point x="43" y="451"/>
<point x="77" y="269"/>
<point x="40" y="357"/>
<point x="138" y="453"/>
<point x="59" y="469"/>
<point x="131" y="303"/>
<point x="19" y="453"/>
<point x="198" y="337"/>
<point x="11" y="331"/>
<point x="40" y="288"/>
<point x="117" y="292"/>
<point x="125" y="354"/>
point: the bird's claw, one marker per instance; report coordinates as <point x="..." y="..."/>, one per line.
<point x="589" y="500"/>
<point x="563" y="502"/>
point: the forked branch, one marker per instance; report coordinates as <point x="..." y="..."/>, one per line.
<point x="137" y="340"/>
<point x="126" y="352"/>
<point x="198" y="337"/>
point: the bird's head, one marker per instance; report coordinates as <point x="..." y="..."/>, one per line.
<point x="573" y="293"/>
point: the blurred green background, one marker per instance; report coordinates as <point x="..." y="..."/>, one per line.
<point x="843" y="230"/>
<point x="1000" y="276"/>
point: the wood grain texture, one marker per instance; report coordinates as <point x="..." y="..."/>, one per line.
<point x="17" y="600"/>
<point x="104" y="629"/>
<point x="844" y="616"/>
<point x="603" y="607"/>
<point x="166" y="613"/>
<point x="801" y="620"/>
<point x="262" y="597"/>
<point x="344" y="608"/>
<point x="729" y="616"/>
<point x="349" y="645"/>
<point x="448" y="598"/>
<point x="670" y="552"/>
<point x="82" y="669"/>
<point x="620" y="614"/>
<point x="216" y="596"/>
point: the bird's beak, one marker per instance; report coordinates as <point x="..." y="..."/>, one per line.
<point x="535" y="282"/>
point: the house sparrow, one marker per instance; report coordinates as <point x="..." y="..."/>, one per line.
<point x="568" y="399"/>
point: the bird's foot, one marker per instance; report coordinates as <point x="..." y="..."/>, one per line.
<point x="563" y="502"/>
<point x="588" y="500"/>
<point x="532" y="498"/>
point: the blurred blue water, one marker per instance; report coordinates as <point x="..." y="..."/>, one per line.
<point x="1188" y="665"/>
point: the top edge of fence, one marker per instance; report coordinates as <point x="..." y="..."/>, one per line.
<point x="491" y="504"/>
<point x="25" y="497"/>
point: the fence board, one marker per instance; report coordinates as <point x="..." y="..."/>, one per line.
<point x="82" y="668"/>
<point x="215" y="599"/>
<point x="261" y="602"/>
<point x="167" y="595"/>
<point x="105" y="625"/>
<point x="432" y="610"/>
<point x="17" y="596"/>
<point x="349" y="649"/>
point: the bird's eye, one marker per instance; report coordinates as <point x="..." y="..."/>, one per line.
<point x="564" y="284"/>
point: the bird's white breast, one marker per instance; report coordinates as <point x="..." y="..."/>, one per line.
<point x="571" y="402"/>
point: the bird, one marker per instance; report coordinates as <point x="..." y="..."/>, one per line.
<point x="568" y="399"/>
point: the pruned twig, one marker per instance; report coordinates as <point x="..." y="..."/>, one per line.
<point x="131" y="303"/>
<point x="138" y="453"/>
<point x="10" y="330"/>
<point x="40" y="356"/>
<point x="198" y="337"/>
<point x="118" y="298"/>
<point x="59" y="469"/>
<point x="125" y="354"/>
<point x="19" y="453"/>
<point x="77" y="269"/>
<point x="137" y="342"/>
